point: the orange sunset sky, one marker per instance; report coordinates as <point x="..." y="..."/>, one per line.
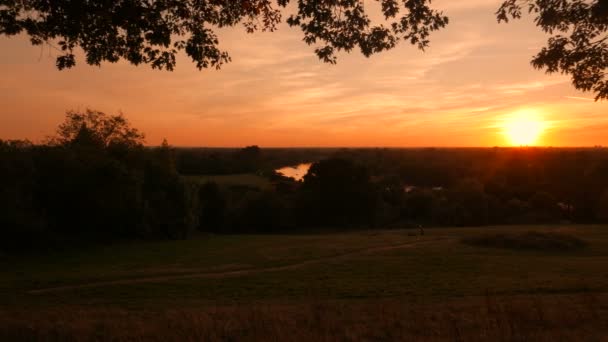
<point x="465" y="90"/>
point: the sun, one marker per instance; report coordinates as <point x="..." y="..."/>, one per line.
<point x="524" y="128"/>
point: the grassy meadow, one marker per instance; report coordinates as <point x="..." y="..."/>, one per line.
<point x="364" y="285"/>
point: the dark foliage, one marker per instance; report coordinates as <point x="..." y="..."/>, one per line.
<point x="95" y="181"/>
<point x="490" y="186"/>
<point x="578" y="46"/>
<point x="249" y="159"/>
<point x="153" y="32"/>
<point x="93" y="128"/>
<point x="212" y="208"/>
<point x="91" y="185"/>
<point x="260" y="212"/>
<point x="337" y="191"/>
<point x="465" y="204"/>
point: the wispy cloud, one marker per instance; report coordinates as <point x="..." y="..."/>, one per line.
<point x="579" y="98"/>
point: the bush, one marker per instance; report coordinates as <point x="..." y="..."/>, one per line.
<point x="337" y="192"/>
<point x="94" y="181"/>
<point x="259" y="212"/>
<point x="212" y="208"/>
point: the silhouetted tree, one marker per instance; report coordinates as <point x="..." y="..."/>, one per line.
<point x="467" y="204"/>
<point x="166" y="157"/>
<point x="259" y="212"/>
<point x="141" y="31"/>
<point x="212" y="208"/>
<point x="248" y="159"/>
<point x="86" y="138"/>
<point x="171" y="204"/>
<point x="391" y="189"/>
<point x="95" y="181"/>
<point x="420" y="205"/>
<point x="543" y="207"/>
<point x="338" y="191"/>
<point x="21" y="221"/>
<point x="602" y="207"/>
<point x="153" y="33"/>
<point x="579" y="45"/>
<point x="93" y="127"/>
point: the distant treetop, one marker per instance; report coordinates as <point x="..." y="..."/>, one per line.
<point x="95" y="128"/>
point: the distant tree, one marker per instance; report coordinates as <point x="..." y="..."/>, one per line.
<point x="579" y="45"/>
<point x="212" y="208"/>
<point x="165" y="156"/>
<point x="171" y="204"/>
<point x="96" y="179"/>
<point x="516" y="210"/>
<point x="21" y="221"/>
<point x="85" y="192"/>
<point x="86" y="138"/>
<point x="520" y="177"/>
<point x="420" y="205"/>
<point x="94" y="186"/>
<point x="497" y="210"/>
<point x="93" y="127"/>
<point x="248" y="159"/>
<point x="338" y="191"/>
<point x="390" y="202"/>
<point x="543" y="207"/>
<point x="543" y="201"/>
<point x="602" y="207"/>
<point x="259" y="212"/>
<point x="391" y="189"/>
<point x="467" y="203"/>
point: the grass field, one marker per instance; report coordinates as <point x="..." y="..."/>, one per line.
<point x="371" y="284"/>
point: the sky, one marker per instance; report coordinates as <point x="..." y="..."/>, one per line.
<point x="474" y="86"/>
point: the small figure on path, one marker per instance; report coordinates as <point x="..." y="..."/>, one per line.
<point x="421" y="230"/>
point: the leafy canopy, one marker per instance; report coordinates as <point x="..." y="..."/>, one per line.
<point x="153" y="31"/>
<point x="91" y="127"/>
<point x="578" y="46"/>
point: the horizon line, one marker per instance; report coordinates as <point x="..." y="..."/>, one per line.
<point x="387" y="147"/>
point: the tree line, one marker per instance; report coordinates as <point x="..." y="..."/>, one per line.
<point x="95" y="181"/>
<point x="378" y="187"/>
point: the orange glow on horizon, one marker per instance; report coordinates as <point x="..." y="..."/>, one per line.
<point x="524" y="128"/>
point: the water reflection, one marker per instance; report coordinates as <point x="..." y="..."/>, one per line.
<point x="296" y="172"/>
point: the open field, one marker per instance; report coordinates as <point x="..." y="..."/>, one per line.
<point x="377" y="283"/>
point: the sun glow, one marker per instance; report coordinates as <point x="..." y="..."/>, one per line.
<point x="524" y="128"/>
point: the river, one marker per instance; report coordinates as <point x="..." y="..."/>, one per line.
<point x="296" y="172"/>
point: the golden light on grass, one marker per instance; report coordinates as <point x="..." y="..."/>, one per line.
<point x="524" y="128"/>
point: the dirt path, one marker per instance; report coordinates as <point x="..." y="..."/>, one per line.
<point x="225" y="274"/>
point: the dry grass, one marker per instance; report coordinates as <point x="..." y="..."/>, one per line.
<point x="582" y="317"/>
<point x="542" y="241"/>
<point x="343" y="287"/>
